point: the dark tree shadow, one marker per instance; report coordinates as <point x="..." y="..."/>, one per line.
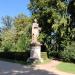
<point x="18" y="69"/>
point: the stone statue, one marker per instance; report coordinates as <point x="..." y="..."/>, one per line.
<point x="35" y="31"/>
<point x="35" y="53"/>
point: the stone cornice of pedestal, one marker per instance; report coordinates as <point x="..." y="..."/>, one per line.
<point x="35" y="44"/>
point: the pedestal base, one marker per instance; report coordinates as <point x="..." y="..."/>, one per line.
<point x="35" y="54"/>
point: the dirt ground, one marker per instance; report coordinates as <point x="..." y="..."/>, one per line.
<point x="52" y="68"/>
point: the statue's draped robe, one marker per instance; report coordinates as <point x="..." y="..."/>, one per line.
<point x="35" y="32"/>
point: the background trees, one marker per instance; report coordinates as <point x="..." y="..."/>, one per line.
<point x="23" y="32"/>
<point x="16" y="35"/>
<point x="71" y="11"/>
<point x="7" y="21"/>
<point x="52" y="17"/>
<point x="57" y="32"/>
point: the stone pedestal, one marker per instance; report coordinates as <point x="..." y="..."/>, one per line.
<point x="35" y="51"/>
<point x="35" y="54"/>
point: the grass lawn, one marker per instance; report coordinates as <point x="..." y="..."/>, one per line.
<point x="67" y="67"/>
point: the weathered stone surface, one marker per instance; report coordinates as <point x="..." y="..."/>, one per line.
<point x="35" y="31"/>
<point x="35" y="53"/>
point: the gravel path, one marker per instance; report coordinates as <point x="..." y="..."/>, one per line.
<point x="52" y="67"/>
<point x="7" y="68"/>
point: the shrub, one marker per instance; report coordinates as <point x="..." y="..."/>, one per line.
<point x="19" y="56"/>
<point x="6" y="46"/>
<point x="23" y="44"/>
<point x="68" y="54"/>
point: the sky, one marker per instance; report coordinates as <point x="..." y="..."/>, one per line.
<point x="13" y="8"/>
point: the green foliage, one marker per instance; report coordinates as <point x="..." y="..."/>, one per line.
<point x="52" y="17"/>
<point x="21" y="21"/>
<point x="69" y="53"/>
<point x="8" y="37"/>
<point x="18" y="37"/>
<point x="23" y="39"/>
<point x="22" y="25"/>
<point x="71" y="11"/>
<point x="15" y="56"/>
<point x="41" y="37"/>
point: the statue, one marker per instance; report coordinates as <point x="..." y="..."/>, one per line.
<point x="35" y="32"/>
<point x="35" y="53"/>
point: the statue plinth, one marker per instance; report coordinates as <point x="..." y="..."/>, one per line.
<point x="35" y="53"/>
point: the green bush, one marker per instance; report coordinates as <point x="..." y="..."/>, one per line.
<point x="23" y="43"/>
<point x="18" y="56"/>
<point x="68" y="54"/>
<point x="6" y="46"/>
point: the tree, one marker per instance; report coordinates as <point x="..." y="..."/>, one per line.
<point x="22" y="25"/>
<point x="71" y="11"/>
<point x="17" y="38"/>
<point x="7" y="34"/>
<point x="7" y="21"/>
<point x="52" y="17"/>
<point x="21" y="21"/>
<point x="8" y="37"/>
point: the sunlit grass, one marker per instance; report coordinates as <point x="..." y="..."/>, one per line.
<point x="67" y="67"/>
